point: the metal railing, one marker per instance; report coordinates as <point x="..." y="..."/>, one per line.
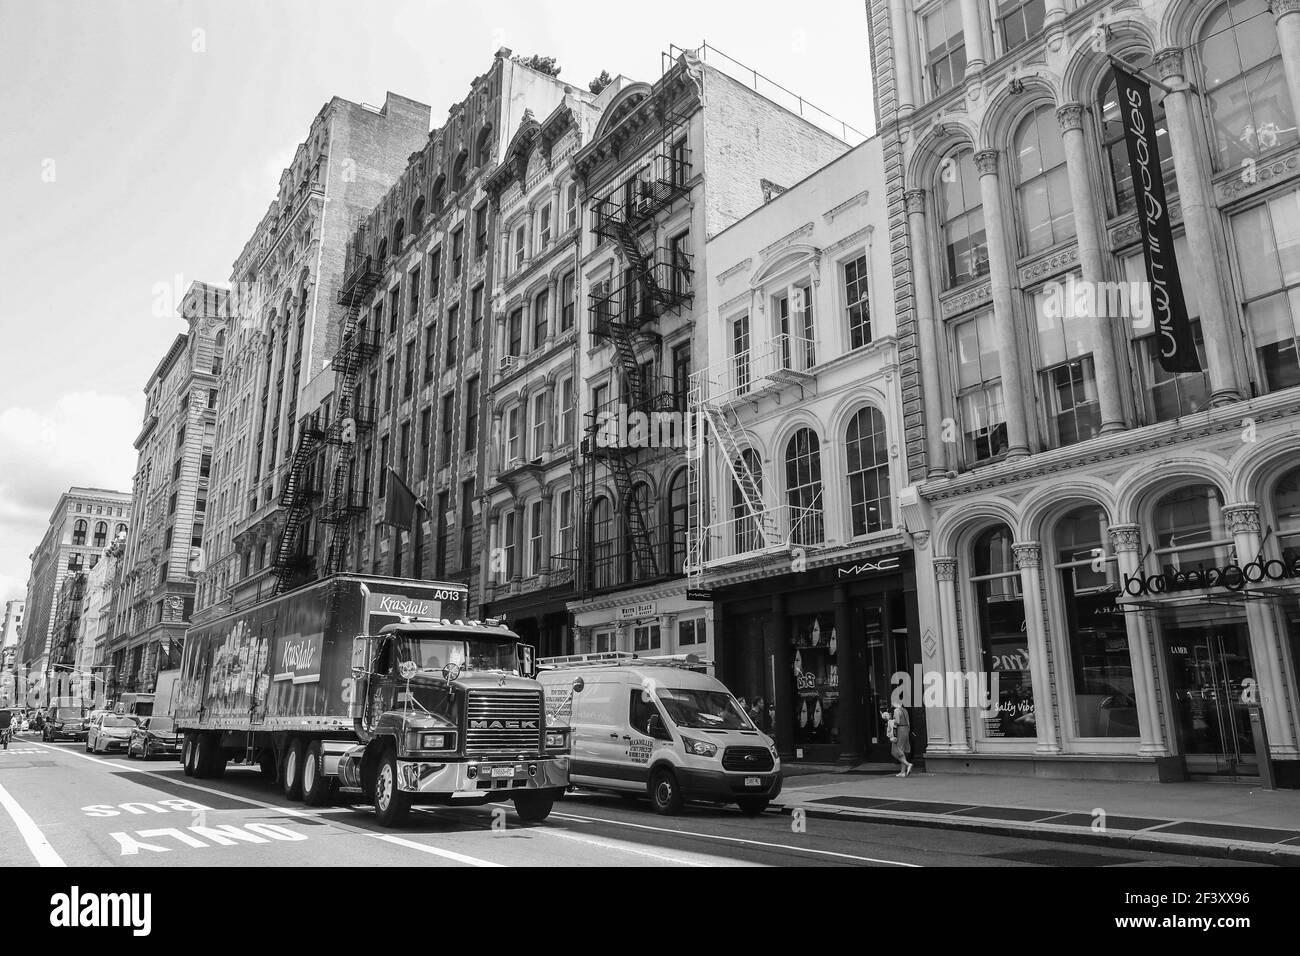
<point x="775" y="362"/>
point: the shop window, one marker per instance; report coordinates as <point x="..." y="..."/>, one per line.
<point x="1102" y="672"/>
<point x="646" y="637"/>
<point x="604" y="641"/>
<point x="1004" y="644"/>
<point x="1244" y="85"/>
<point x="1114" y="147"/>
<point x="816" y="678"/>
<point x="1267" y="239"/>
<point x="1190" y="532"/>
<point x="803" y="482"/>
<point x="1042" y="184"/>
<point x="867" y="446"/>
<point x="961" y="219"/>
<point x="1286" y="514"/>
<point x="692" y="631"/>
<point x="979" y="388"/>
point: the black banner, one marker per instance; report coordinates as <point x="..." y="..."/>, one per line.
<point x="1174" y="328"/>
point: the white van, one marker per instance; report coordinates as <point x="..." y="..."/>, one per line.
<point x="659" y="729"/>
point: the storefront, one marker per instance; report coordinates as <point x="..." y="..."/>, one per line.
<point x="815" y="655"/>
<point x="651" y="622"/>
<point x="541" y="618"/>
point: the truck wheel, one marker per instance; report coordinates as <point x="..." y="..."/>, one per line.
<point x="752" y="806"/>
<point x="392" y="806"/>
<point x="209" y="761"/>
<point x="187" y="755"/>
<point x="316" y="786"/>
<point x="291" y="779"/>
<point x="534" y="806"/>
<point x="266" y="763"/>
<point x="664" y="794"/>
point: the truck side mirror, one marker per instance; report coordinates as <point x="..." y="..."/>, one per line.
<point x="524" y="655"/>
<point x="363" y="653"/>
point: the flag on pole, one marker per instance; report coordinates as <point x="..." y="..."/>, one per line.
<point x="399" y="508"/>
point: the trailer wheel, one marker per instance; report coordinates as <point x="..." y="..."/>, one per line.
<point x="291" y="779"/>
<point x="187" y="755"/>
<point x="392" y="806"/>
<point x="316" y="787"/>
<point x="209" y="761"/>
<point x="534" y="806"/>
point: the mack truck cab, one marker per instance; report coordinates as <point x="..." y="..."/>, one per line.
<point x="449" y="713"/>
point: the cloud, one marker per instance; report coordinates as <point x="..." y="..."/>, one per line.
<point x="82" y="438"/>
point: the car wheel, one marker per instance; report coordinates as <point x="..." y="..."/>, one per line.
<point x="316" y="787"/>
<point x="664" y="793"/>
<point x="752" y="806"/>
<point x="392" y="806"/>
<point x="291" y="779"/>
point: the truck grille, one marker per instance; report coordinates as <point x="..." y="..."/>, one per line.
<point x="503" y="722"/>
<point x="756" y="759"/>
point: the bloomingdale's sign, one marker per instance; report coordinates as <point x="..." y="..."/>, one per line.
<point x="1234" y="577"/>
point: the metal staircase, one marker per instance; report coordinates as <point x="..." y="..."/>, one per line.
<point x="290" y="556"/>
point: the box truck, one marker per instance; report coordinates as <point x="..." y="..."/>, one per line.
<point x="374" y="688"/>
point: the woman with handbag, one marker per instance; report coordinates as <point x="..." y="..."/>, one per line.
<point x="899" y="731"/>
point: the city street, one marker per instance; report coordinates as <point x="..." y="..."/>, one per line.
<point x="63" y="806"/>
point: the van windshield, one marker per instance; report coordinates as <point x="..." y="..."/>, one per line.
<point x="704" y="709"/>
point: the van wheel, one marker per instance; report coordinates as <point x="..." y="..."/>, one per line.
<point x="392" y="806"/>
<point x="291" y="779"/>
<point x="752" y="806"/>
<point x="534" y="806"/>
<point x="315" y="785"/>
<point x="664" y="794"/>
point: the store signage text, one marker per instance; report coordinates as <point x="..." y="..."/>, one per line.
<point x="887" y="564"/>
<point x="636" y="611"/>
<point x="1234" y="577"/>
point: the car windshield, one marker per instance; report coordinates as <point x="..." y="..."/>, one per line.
<point x="68" y="713"/>
<point x="118" y="722"/>
<point x="160" y="724"/>
<point x="706" y="709"/>
<point x="435" y="653"/>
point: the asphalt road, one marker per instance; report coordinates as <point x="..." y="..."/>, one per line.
<point x="60" y="805"/>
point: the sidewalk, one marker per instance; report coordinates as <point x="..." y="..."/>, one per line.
<point x="1207" y="819"/>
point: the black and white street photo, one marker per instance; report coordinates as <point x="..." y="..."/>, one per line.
<point x="562" y="434"/>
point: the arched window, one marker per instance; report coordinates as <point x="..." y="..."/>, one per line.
<point x="218" y="352"/>
<point x="1101" y="669"/>
<point x="803" y="487"/>
<point x="866" y="446"/>
<point x="439" y="194"/>
<point x="483" y="147"/>
<point x="1123" y="195"/>
<point x="120" y="530"/>
<point x="1250" y="110"/>
<point x="961" y="219"/>
<point x="399" y="232"/>
<point x="1004" y="645"/>
<point x="79" y="532"/>
<point x="459" y="172"/>
<point x="383" y="252"/>
<point x="745" y="535"/>
<point x="601" y="538"/>
<point x="101" y="534"/>
<point x="639" y="534"/>
<point x="1189" y="530"/>
<point x="417" y="214"/>
<point x="679" y="517"/>
<point x="1286" y="514"/>
<point x="1042" y="186"/>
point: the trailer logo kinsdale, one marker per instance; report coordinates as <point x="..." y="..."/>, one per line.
<point x="297" y="658"/>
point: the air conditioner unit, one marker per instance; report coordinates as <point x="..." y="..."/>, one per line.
<point x="508" y="362"/>
<point x="450" y="518"/>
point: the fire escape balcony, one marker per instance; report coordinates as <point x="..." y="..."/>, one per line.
<point x="782" y="362"/>
<point x="343" y="507"/>
<point x="638" y="200"/>
<point x="360" y="282"/>
<point x="362" y="418"/>
<point x="653" y="417"/>
<point x="357" y="348"/>
<point x="665" y="286"/>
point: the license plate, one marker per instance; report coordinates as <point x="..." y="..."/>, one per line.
<point x="498" y="772"/>
<point x="753" y="781"/>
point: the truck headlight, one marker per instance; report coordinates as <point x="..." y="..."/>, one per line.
<point x="438" y="741"/>
<point x="700" y="748"/>
<point x="557" y="740"/>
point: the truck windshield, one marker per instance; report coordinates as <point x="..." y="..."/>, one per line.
<point x="435" y="653"/>
<point x="705" y="709"/>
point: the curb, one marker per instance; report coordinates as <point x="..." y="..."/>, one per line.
<point x="1135" y="840"/>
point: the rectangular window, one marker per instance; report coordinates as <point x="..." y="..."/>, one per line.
<point x="466" y="523"/>
<point x="471" y="413"/>
<point x="383" y="466"/>
<point x="457" y="251"/>
<point x="212" y="398"/>
<point x="945" y="45"/>
<point x="740" y="355"/>
<point x="404" y="452"/>
<point x="692" y="631"/>
<point x="430" y="344"/>
<point x="679" y="263"/>
<point x="599" y="398"/>
<point x="564" y="522"/>
<point x="476" y="317"/>
<point x="1267" y="240"/>
<point x="508" y="543"/>
<point x="568" y="301"/>
<point x="979" y="388"/>
<point x="205" y="466"/>
<point x="540" y="320"/>
<point x="605" y="641"/>
<point x="408" y="376"/>
<point x="681" y="366"/>
<point x="535" y="537"/>
<point x="435" y="271"/>
<point x="453" y="322"/>
<point x="388" y="383"/>
<point x="1065" y="362"/>
<point x="646" y="638"/>
<point x="379" y="316"/>
<point x="176" y="469"/>
<point x="423" y="462"/>
<point x="480" y="231"/>
<point x="544" y="228"/>
<point x="512" y="435"/>
<point x="857" y="309"/>
<point x="394" y="307"/>
<point x="415" y="294"/>
<point x="448" y="434"/>
<point x="440" y="544"/>
<point x="515" y="330"/>
<point x="539" y="426"/>
<point x="1019" y="20"/>
<point x="171" y="504"/>
<point x="167" y="539"/>
<point x="564" y="421"/>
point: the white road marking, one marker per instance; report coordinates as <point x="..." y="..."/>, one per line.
<point x="624" y="848"/>
<point x="32" y="835"/>
<point x="435" y="851"/>
<point x="730" y="839"/>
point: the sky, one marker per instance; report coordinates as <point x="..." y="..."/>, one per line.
<point x="144" y="139"/>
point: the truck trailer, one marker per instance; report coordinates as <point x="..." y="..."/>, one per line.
<point x="376" y="689"/>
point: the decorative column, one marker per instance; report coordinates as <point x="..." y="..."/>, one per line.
<point x="521" y="515"/>
<point x="973" y="35"/>
<point x="1243" y="524"/>
<point x="498" y="444"/>
<point x="552" y="303"/>
<point x="1125" y="541"/>
<point x="1028" y="561"/>
<point x="848" y="718"/>
<point x="904" y="77"/>
<point x="1286" y="13"/>
<point x="1088" y="237"/>
<point x="545" y="567"/>
<point x="936" y="455"/>
<point x="1000" y="280"/>
<point x="548" y="413"/>
<point x="945" y="573"/>
<point x="1205" y="274"/>
<point x="666" y="622"/>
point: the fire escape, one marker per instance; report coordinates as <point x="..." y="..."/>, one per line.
<point x="293" y="552"/>
<point x="653" y="282"/>
<point x="357" y="346"/>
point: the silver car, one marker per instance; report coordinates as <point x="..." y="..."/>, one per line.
<point x="109" y="732"/>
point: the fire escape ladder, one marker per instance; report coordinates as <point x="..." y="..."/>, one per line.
<point x="296" y="497"/>
<point x="643" y="550"/>
<point x="729" y="439"/>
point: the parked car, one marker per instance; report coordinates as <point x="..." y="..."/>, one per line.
<point x="63" y="723"/>
<point x="154" y="736"/>
<point x="109" y="732"/>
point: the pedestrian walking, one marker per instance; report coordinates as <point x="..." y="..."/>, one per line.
<point x="899" y="731"/>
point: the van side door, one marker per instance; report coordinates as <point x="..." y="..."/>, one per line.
<point x="597" y="735"/>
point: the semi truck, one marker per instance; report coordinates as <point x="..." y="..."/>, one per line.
<point x="376" y="689"/>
